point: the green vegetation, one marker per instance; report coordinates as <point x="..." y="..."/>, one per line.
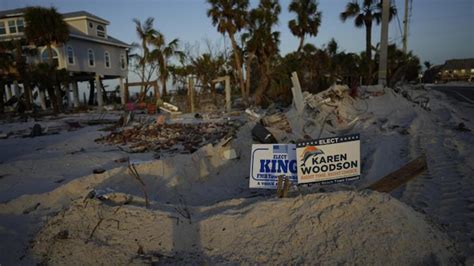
<point x="254" y="63"/>
<point x="45" y="27"/>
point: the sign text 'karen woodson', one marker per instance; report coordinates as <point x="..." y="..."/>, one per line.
<point x="269" y="161"/>
<point x="329" y="160"/>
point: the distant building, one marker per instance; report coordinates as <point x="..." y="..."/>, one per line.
<point x="451" y="70"/>
<point x="90" y="54"/>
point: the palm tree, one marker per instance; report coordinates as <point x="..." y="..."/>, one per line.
<point x="230" y="16"/>
<point x="20" y="50"/>
<point x="334" y="66"/>
<point x="207" y="68"/>
<point x="364" y="15"/>
<point x="262" y="19"/>
<point x="145" y="33"/>
<point x="308" y="19"/>
<point x="6" y="63"/>
<point x="162" y="54"/>
<point x="427" y="64"/>
<point x="45" y="27"/>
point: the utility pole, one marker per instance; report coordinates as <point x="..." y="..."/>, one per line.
<point x="384" y="43"/>
<point x="405" y="29"/>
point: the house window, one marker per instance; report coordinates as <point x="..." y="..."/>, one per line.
<point x="107" y="59"/>
<point x="70" y="55"/>
<point x="100" y="31"/>
<point x="90" y="55"/>
<point x="3" y="31"/>
<point x="91" y="25"/>
<point x="20" y="24"/>
<point x="45" y="56"/>
<point x="123" y="61"/>
<point x="12" y="26"/>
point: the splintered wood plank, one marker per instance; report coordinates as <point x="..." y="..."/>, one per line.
<point x="401" y="176"/>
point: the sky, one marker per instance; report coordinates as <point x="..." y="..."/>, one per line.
<point x="438" y="29"/>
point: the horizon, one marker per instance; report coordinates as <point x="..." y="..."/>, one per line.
<point x="428" y="21"/>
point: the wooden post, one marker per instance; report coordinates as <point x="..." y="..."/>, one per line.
<point x="191" y="93"/>
<point x="123" y="99"/>
<point x="30" y="95"/>
<point x="75" y="93"/>
<point x="395" y="179"/>
<point x="286" y="187"/>
<point x="16" y="89"/>
<point x="42" y="97"/>
<point x="68" y="96"/>
<point x="283" y="186"/>
<point x="127" y="92"/>
<point x="279" y="186"/>
<point x="98" y="85"/>
<point x="2" y="93"/>
<point x="297" y="95"/>
<point x="228" y="103"/>
<point x="8" y="91"/>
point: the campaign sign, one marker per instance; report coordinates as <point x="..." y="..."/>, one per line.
<point x="329" y="160"/>
<point x="269" y="161"/>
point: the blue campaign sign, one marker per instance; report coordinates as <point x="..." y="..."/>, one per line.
<point x="269" y="161"/>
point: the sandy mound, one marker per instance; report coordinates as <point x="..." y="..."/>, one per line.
<point x="343" y="227"/>
<point x="201" y="178"/>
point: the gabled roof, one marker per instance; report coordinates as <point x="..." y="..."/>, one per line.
<point x="12" y="12"/>
<point x="82" y="13"/>
<point x="459" y="64"/>
<point x="109" y="40"/>
<point x="70" y="15"/>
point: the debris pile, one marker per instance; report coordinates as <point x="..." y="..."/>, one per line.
<point x="327" y="113"/>
<point x="277" y="120"/>
<point x="175" y="137"/>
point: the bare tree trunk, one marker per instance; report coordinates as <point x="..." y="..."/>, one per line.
<point x="368" y="51"/>
<point x="239" y="67"/>
<point x="163" y="85"/>
<point x="42" y="98"/>
<point x="20" y="67"/>
<point x="27" y="92"/>
<point x="248" y="68"/>
<point x="2" y="92"/>
<point x="213" y="92"/>
<point x="55" y="98"/>
<point x="301" y="44"/>
<point x="265" y="81"/>
<point x="52" y="97"/>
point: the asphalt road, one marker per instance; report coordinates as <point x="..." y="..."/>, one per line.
<point x="460" y="93"/>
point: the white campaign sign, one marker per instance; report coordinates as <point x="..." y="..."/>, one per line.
<point x="269" y="161"/>
<point x="329" y="160"/>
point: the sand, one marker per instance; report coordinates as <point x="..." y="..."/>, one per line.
<point x="427" y="221"/>
<point x="366" y="228"/>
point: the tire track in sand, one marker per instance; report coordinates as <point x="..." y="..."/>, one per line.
<point x="445" y="192"/>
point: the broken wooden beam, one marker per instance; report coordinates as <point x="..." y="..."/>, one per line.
<point x="401" y="176"/>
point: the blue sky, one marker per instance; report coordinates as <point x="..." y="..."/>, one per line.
<point x="439" y="29"/>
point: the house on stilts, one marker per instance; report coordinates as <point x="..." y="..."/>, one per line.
<point x="90" y="55"/>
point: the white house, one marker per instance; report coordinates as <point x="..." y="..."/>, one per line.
<point x="90" y="54"/>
